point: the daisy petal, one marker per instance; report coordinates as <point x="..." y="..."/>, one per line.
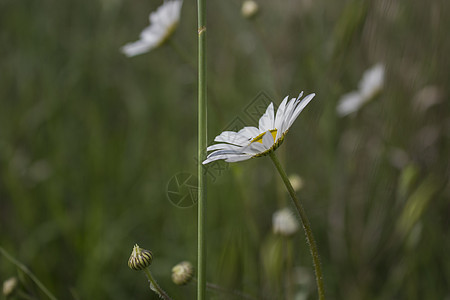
<point x="267" y="140"/>
<point x="238" y="158"/>
<point x="136" y="48"/>
<point x="219" y="157"/>
<point x="227" y="157"/>
<point x="349" y="103"/>
<point x="299" y="108"/>
<point x="223" y="152"/>
<point x="223" y="147"/>
<point x="256" y="148"/>
<point x="288" y="113"/>
<point x="280" y="113"/>
<point x="249" y="132"/>
<point x="266" y="122"/>
<point x="372" y="81"/>
<point x="232" y="137"/>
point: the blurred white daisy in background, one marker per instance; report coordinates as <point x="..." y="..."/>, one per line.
<point x="163" y="23"/>
<point x="249" y="8"/>
<point x="284" y="222"/>
<point x="254" y="142"/>
<point x="371" y="83"/>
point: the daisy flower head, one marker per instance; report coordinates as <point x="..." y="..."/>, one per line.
<point x="259" y="141"/>
<point x="163" y="23"/>
<point x="370" y="84"/>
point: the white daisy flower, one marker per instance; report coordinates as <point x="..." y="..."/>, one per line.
<point x="251" y="141"/>
<point x="371" y="83"/>
<point x="284" y="222"/>
<point x="162" y="24"/>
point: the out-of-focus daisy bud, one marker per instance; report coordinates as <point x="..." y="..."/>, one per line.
<point x="249" y="8"/>
<point x="140" y="258"/>
<point x="9" y="286"/>
<point x="296" y="182"/>
<point x="284" y="223"/>
<point x="182" y="273"/>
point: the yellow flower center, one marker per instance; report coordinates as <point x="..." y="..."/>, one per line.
<point x="258" y="139"/>
<point x="170" y="30"/>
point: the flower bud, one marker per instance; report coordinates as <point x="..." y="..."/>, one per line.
<point x="296" y="182"/>
<point x="140" y="258"/>
<point x="249" y="8"/>
<point x="284" y="222"/>
<point x="9" y="286"/>
<point x="182" y="273"/>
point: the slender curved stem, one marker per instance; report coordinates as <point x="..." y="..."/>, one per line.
<point x="24" y="269"/>
<point x="305" y="224"/>
<point x="202" y="141"/>
<point x="155" y="286"/>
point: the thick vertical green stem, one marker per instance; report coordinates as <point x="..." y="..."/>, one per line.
<point x="155" y="286"/>
<point x="202" y="140"/>
<point x="305" y="224"/>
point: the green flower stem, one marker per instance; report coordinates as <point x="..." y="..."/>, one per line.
<point x="202" y="141"/>
<point x="305" y="224"/>
<point x="156" y="286"/>
<point x="24" y="269"/>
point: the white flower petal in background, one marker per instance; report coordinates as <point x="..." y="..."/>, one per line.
<point x="372" y="81"/>
<point x="349" y="103"/>
<point x="284" y="222"/>
<point x="162" y="24"/>
<point x="254" y="142"/>
<point x="370" y="84"/>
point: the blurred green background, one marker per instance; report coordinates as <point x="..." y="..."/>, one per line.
<point x="90" y="139"/>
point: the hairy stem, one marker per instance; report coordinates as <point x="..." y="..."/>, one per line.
<point x="306" y="226"/>
<point x="155" y="286"/>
